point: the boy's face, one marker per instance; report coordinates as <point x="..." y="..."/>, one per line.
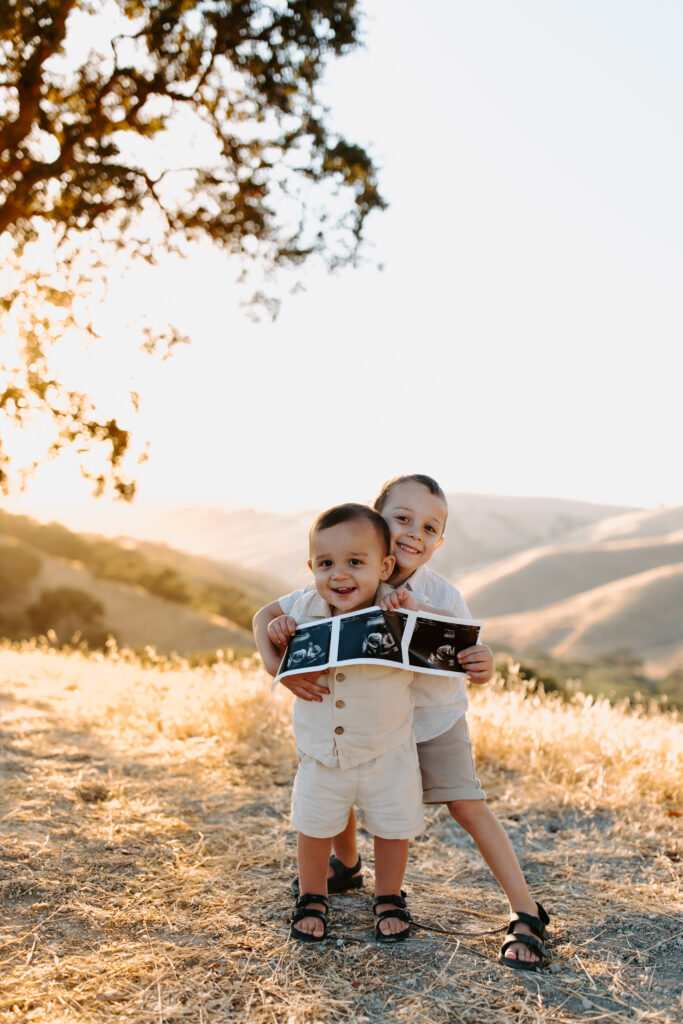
<point x="416" y="520"/>
<point x="348" y="563"/>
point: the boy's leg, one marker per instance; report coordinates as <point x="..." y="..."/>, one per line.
<point x="313" y="857"/>
<point x="391" y="801"/>
<point x="448" y="772"/>
<point x="391" y="858"/>
<point x="345" y="845"/>
<point x="493" y="843"/>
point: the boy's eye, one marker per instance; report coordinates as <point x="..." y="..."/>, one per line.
<point x="430" y="528"/>
<point x="402" y="519"/>
<point x="325" y="564"/>
<point x="355" y="561"/>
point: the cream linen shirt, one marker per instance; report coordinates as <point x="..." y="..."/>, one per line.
<point x="368" y="711"/>
<point x="439" y="700"/>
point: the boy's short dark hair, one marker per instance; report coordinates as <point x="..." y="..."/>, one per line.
<point x="348" y="513"/>
<point x="412" y="478"/>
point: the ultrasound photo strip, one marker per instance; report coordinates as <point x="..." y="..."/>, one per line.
<point x="415" y="641"/>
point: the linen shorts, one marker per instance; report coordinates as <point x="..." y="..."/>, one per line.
<point x="447" y="767"/>
<point x="388" y="791"/>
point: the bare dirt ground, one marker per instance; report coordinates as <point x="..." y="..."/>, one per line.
<point x="144" y="877"/>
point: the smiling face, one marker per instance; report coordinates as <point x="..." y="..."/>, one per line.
<point x="416" y="520"/>
<point x="348" y="562"/>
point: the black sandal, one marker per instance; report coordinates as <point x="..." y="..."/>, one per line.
<point x="401" y="912"/>
<point x="534" y="942"/>
<point x="300" y="912"/>
<point x="342" y="880"/>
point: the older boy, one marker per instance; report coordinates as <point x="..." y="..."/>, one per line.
<point x="415" y="509"/>
<point x="356" y="743"/>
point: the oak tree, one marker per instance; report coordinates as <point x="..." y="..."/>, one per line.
<point x="97" y="101"/>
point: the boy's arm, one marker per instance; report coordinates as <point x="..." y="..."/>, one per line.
<point x="304" y="685"/>
<point x="271" y="655"/>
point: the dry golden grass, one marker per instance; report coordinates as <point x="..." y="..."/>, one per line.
<point x="145" y="857"/>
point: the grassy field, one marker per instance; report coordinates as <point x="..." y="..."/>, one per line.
<point x="145" y="857"/>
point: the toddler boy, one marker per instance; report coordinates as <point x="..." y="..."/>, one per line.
<point x="356" y="743"/>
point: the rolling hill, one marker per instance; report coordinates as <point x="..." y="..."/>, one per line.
<point x="543" y="576"/>
<point x="482" y="529"/>
<point x="138" y="618"/>
<point x="640" y="614"/>
<point x="570" y="578"/>
<point x="149" y="594"/>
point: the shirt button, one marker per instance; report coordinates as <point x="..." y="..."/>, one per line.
<point x="340" y="677"/>
<point x="339" y="703"/>
<point x="339" y="730"/>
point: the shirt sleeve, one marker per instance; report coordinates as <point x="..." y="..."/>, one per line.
<point x="451" y="600"/>
<point x="288" y="601"/>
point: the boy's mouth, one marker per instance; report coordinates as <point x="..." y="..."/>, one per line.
<point x="408" y="549"/>
<point x="343" y="591"/>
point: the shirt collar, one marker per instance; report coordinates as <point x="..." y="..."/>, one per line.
<point x="417" y="580"/>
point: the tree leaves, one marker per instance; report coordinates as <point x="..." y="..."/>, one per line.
<point x="94" y="97"/>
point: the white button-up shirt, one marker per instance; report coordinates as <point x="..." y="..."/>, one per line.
<point x="368" y="711"/>
<point x="439" y="700"/>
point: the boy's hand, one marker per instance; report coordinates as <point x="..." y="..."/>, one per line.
<point x="281" y="630"/>
<point x="306" y="685"/>
<point x="478" y="663"/>
<point x="401" y="598"/>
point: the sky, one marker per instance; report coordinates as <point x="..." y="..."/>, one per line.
<point x="525" y="333"/>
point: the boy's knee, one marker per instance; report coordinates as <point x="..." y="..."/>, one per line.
<point x="466" y="811"/>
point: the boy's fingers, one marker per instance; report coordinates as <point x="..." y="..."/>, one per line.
<point x="476" y="649"/>
<point x="299" y="691"/>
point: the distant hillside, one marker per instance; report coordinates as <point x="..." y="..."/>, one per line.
<point x="640" y="614"/>
<point x="543" y="576"/>
<point x="144" y="593"/>
<point x="481" y="529"/>
<point x="569" y="578"/>
<point x="484" y="528"/>
<point x="573" y="580"/>
<point x="638" y="523"/>
<point x="138" y="618"/>
<point x="265" y="542"/>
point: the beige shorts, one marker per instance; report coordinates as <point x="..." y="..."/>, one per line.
<point x="387" y="790"/>
<point x="447" y="767"/>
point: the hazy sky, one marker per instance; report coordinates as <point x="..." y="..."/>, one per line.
<point x="525" y="335"/>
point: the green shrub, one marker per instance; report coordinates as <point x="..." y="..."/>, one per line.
<point x="18" y="567"/>
<point x="68" y="612"/>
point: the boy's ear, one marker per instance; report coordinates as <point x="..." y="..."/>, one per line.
<point x="309" y="563"/>
<point x="388" y="564"/>
<point x="438" y="545"/>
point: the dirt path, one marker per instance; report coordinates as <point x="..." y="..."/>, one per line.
<point x="147" y="882"/>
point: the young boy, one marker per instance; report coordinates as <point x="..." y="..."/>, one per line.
<point x="415" y="509"/>
<point x="356" y="744"/>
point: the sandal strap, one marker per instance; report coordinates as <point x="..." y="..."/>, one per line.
<point x="397" y="901"/>
<point x="341" y="870"/>
<point x="536" y="924"/>
<point x="543" y="915"/>
<point x="402" y="915"/>
<point x="526" y="940"/>
<point x="398" y="910"/>
<point x="311" y="897"/>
